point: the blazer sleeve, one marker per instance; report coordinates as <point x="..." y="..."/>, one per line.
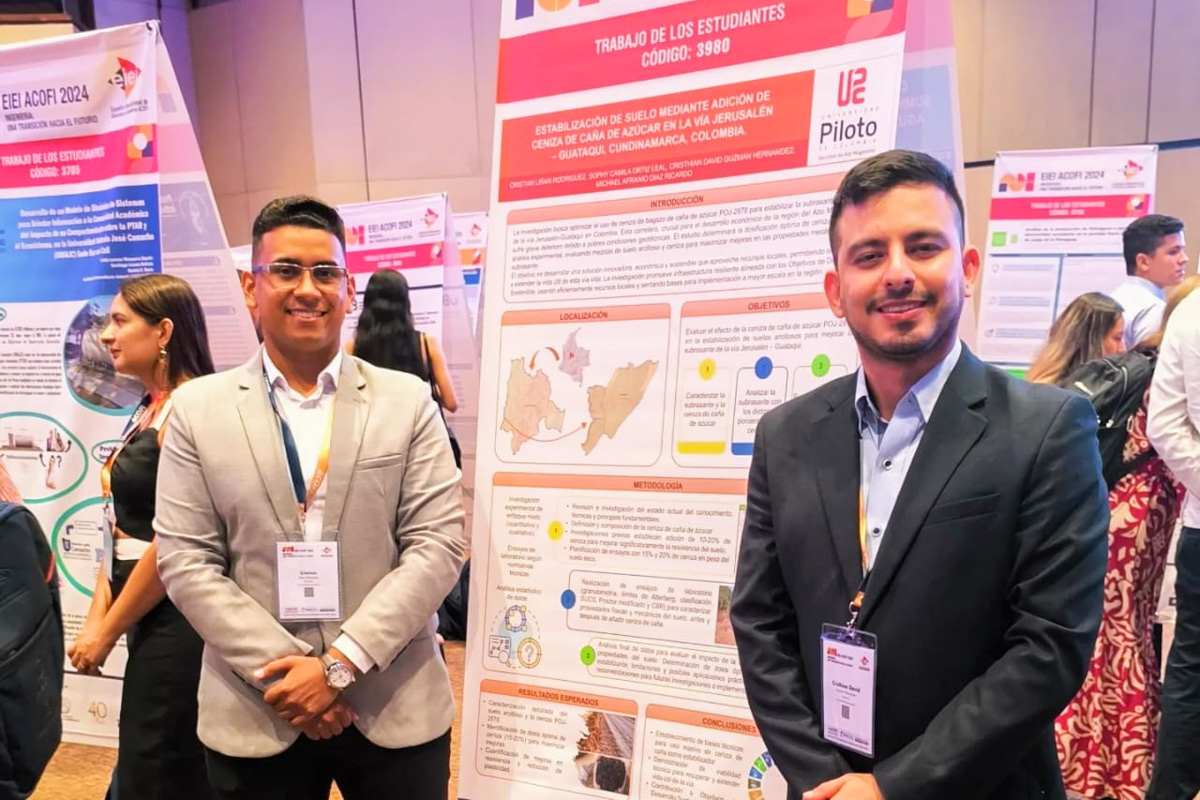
<point x="1055" y="598"/>
<point x="193" y="562"/>
<point x="431" y="540"/>
<point x="764" y="626"/>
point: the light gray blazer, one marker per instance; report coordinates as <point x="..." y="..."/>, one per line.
<point x="393" y="502"/>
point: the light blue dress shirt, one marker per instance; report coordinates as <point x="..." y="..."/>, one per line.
<point x="886" y="447"/>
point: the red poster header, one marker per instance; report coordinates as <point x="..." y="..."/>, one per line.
<point x="736" y="129"/>
<point x="1112" y="206"/>
<point x="57" y="162"/>
<point x="683" y="38"/>
<point x="409" y="256"/>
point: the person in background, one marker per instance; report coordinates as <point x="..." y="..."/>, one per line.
<point x="387" y="337"/>
<point x="1174" y="430"/>
<point x="1106" y="736"/>
<point x="1155" y="260"/>
<point x="1091" y="327"/>
<point x="157" y="334"/>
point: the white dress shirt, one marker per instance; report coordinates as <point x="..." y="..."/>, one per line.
<point x="1143" y="303"/>
<point x="1173" y="424"/>
<point x="307" y="416"/>
<point x="886" y="447"/>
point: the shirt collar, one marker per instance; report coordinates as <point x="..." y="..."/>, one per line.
<point x="327" y="379"/>
<point x="926" y="391"/>
<point x="1150" y="286"/>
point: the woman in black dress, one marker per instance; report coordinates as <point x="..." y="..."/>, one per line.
<point x="387" y="337"/>
<point x="155" y="333"/>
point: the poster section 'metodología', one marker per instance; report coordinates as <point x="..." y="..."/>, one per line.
<point x="100" y="180"/>
<point x="655" y="257"/>
<point x="1054" y="233"/>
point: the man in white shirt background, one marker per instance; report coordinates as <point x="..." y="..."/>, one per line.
<point x="1174" y="428"/>
<point x="1155" y="260"/>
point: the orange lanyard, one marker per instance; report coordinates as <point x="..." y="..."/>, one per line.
<point x="141" y="419"/>
<point x="856" y="603"/>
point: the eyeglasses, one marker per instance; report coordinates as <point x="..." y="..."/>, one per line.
<point x="284" y="275"/>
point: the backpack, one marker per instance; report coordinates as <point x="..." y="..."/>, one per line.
<point x="31" y="652"/>
<point x="1116" y="386"/>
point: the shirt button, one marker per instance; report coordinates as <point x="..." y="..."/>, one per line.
<point x="887" y="464"/>
<point x="875" y="531"/>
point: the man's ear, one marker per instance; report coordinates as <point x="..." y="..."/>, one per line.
<point x="247" y="279"/>
<point x="833" y="293"/>
<point x="971" y="264"/>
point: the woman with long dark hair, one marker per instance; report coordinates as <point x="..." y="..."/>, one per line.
<point x="155" y="333"/>
<point x="388" y="338"/>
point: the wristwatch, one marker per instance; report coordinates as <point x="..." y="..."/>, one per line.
<point x="337" y="675"/>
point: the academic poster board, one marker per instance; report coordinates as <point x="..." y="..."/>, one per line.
<point x="1054" y="233"/>
<point x="471" y="229"/>
<point x="658" y="237"/>
<point x="100" y="179"/>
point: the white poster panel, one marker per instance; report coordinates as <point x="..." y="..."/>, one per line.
<point x="1054" y="233"/>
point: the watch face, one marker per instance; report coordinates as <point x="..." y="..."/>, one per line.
<point x="338" y="675"/>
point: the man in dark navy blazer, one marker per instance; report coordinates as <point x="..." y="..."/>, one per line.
<point x="983" y="527"/>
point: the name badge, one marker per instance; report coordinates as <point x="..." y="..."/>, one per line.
<point x="848" y="680"/>
<point x="309" y="578"/>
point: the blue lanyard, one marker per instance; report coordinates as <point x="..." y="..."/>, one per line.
<point x="289" y="446"/>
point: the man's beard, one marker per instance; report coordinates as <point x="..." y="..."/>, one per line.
<point x="904" y="348"/>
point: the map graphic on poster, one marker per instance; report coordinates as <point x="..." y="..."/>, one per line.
<point x="657" y="246"/>
<point x="100" y="180"/>
<point x="1054" y="233"/>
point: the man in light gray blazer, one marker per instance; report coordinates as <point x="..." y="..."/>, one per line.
<point x="309" y="524"/>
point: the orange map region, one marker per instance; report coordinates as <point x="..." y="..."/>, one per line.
<point x="527" y="405"/>
<point x="611" y="405"/>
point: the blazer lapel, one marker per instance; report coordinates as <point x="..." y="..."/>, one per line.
<point x="953" y="429"/>
<point x="350" y="409"/>
<point x="266" y="445"/>
<point x="835" y="448"/>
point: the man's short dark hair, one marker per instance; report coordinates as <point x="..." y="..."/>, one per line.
<point x="886" y="171"/>
<point x="300" y="210"/>
<point x="1144" y="235"/>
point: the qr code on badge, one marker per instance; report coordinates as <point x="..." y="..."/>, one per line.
<point x="308" y="592"/>
<point x="845" y="711"/>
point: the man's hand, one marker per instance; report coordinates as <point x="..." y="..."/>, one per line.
<point x="301" y="694"/>
<point x="854" y="786"/>
<point x="90" y="649"/>
<point x="332" y="722"/>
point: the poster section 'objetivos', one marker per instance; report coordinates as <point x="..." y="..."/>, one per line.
<point x="657" y="246"/>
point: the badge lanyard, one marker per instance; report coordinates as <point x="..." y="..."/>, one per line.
<point x="146" y="412"/>
<point x="304" y="496"/>
<point x="856" y="603"/>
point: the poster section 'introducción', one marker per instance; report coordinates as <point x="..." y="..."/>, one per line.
<point x="657" y="244"/>
<point x="100" y="180"/>
<point x="1054" y="233"/>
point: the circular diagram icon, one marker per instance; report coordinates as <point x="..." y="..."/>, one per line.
<point x="529" y="652"/>
<point x="820" y="366"/>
